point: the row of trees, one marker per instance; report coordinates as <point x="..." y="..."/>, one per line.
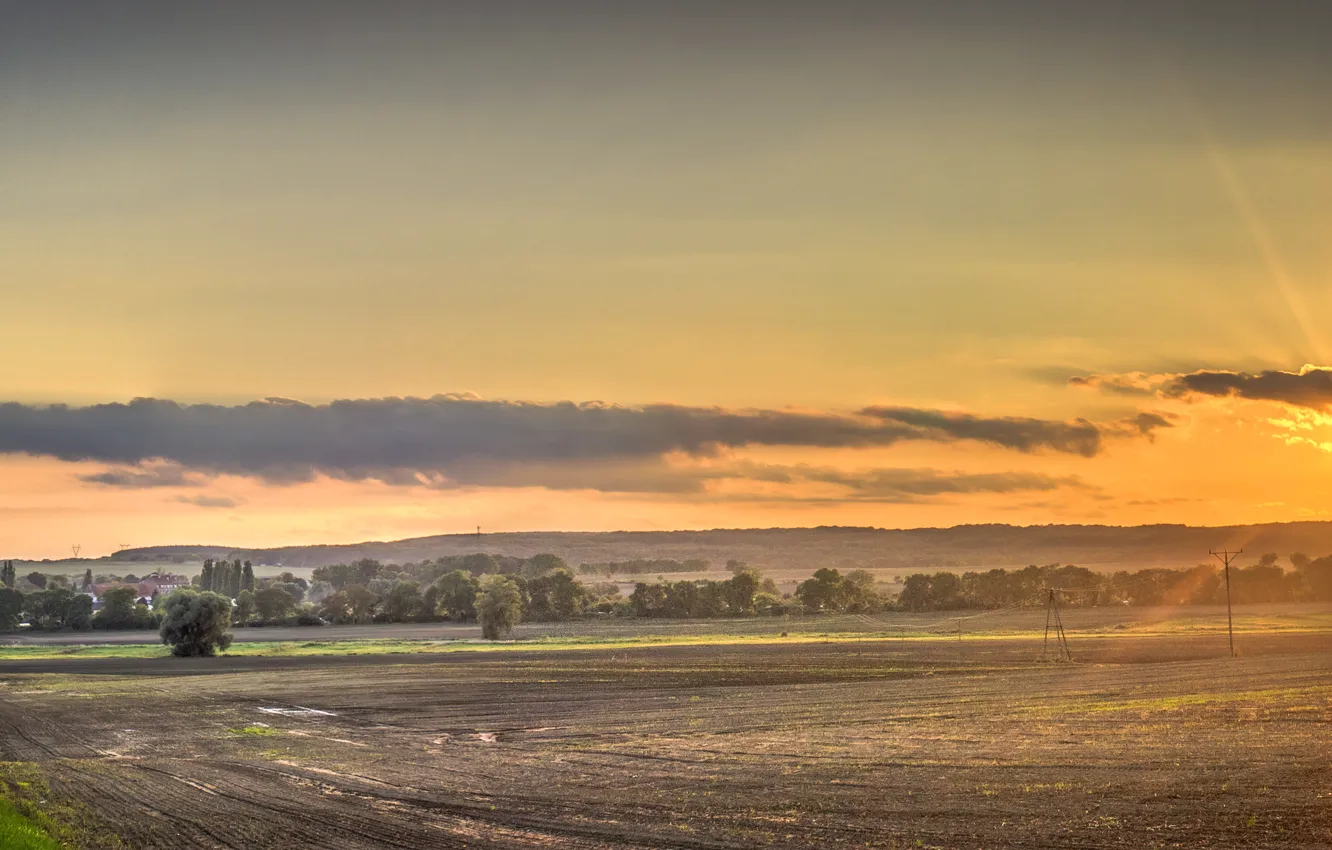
<point x="1265" y="581"/>
<point x="227" y="578"/>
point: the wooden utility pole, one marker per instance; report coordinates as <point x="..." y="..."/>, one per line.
<point x="1225" y="556"/>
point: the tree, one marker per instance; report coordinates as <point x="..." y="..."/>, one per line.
<point x="273" y="603"/>
<point x="540" y="565"/>
<point x="429" y="604"/>
<point x="861" y="595"/>
<point x="482" y="563"/>
<point x="403" y="602"/>
<point x="196" y="623"/>
<point x="7" y="574"/>
<point x="58" y="608"/>
<point x="338" y="575"/>
<point x="247" y="577"/>
<point x="231" y="579"/>
<point x="11" y="608"/>
<point x="648" y="600"/>
<point x="499" y="606"/>
<point x="87" y="579"/>
<point x="555" y="596"/>
<point x="457" y="595"/>
<point x="741" y="589"/>
<point x="361" y="602"/>
<point x="78" y="612"/>
<point x="336" y="608"/>
<point x="824" y="591"/>
<point x="245" y="608"/>
<point x="292" y="589"/>
<point x="206" y="575"/>
<point x="117" y="609"/>
<point x="36" y="579"/>
<point x="366" y="569"/>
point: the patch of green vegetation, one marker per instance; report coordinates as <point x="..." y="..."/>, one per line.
<point x="127" y="650"/>
<point x="19" y="833"/>
<point x="1025" y="624"/>
<point x="1176" y="702"/>
<point x="30" y="813"/>
<point x="255" y="731"/>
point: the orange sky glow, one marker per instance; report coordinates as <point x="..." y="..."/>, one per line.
<point x="884" y="270"/>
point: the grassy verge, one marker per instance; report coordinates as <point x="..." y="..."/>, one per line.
<point x="19" y="833"/>
<point x="33" y="818"/>
<point x="973" y="629"/>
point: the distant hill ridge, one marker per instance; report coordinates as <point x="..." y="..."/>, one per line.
<point x="972" y="546"/>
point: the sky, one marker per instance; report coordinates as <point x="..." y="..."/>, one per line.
<point x="296" y="272"/>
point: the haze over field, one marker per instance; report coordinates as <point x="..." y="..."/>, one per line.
<point x="278" y="274"/>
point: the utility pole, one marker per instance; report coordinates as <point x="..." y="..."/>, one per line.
<point x="1052" y="611"/>
<point x="1225" y="556"/>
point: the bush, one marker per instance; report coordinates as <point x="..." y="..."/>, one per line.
<point x="309" y="618"/>
<point x="196" y="624"/>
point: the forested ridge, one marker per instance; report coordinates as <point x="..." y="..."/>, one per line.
<point x="958" y="548"/>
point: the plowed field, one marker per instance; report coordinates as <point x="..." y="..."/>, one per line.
<point x="1142" y="743"/>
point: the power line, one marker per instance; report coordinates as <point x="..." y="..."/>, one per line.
<point x="1225" y="556"/>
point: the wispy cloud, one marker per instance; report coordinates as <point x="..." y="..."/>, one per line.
<point x="211" y="501"/>
<point x="156" y="475"/>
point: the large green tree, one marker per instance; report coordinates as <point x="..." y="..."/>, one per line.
<point x="117" y="609"/>
<point x="196" y="623"/>
<point x="403" y="603"/>
<point x="499" y="606"/>
<point x="457" y="595"/>
<point x="273" y="603"/>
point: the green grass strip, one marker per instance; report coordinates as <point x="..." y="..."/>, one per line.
<point x="19" y="833"/>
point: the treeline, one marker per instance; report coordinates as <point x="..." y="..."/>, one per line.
<point x="63" y="609"/>
<point x="500" y="591"/>
<point x="1265" y="581"/>
<point x="543" y="589"/>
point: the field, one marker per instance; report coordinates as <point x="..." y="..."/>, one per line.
<point x="1152" y="738"/>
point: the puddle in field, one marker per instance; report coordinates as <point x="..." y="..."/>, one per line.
<point x="298" y="711"/>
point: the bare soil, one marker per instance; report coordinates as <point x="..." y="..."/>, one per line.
<point x="1144" y="742"/>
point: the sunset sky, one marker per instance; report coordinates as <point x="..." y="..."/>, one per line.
<point x="395" y="269"/>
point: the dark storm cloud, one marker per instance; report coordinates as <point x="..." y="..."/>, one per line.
<point x="453" y="438"/>
<point x="1310" y="387"/>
